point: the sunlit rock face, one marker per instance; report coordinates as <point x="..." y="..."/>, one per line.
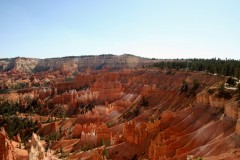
<point x="117" y="113"/>
<point x="36" y="151"/>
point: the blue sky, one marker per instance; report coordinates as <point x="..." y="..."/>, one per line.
<point x="148" y="28"/>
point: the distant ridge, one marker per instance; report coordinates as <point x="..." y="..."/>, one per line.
<point x="34" y="65"/>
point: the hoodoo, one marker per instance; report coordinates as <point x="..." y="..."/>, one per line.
<point x="124" y="113"/>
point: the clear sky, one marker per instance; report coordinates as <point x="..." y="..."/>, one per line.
<point x="148" y="28"/>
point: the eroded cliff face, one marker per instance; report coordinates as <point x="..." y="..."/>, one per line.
<point x="10" y="149"/>
<point x="209" y="135"/>
<point x="231" y="108"/>
<point x="126" y="114"/>
<point x="68" y="65"/>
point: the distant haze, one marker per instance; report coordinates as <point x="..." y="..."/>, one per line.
<point x="147" y="28"/>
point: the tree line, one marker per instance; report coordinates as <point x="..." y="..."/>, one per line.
<point x="227" y="67"/>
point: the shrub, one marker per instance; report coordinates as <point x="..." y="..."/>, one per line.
<point x="222" y="93"/>
<point x="4" y="91"/>
<point x="231" y="81"/>
<point x="211" y="91"/>
<point x="238" y="89"/>
<point x="221" y="89"/>
<point x="144" y="102"/>
<point x="196" y="84"/>
<point x="184" y="87"/>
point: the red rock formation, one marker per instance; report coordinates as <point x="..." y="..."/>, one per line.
<point x="238" y="127"/>
<point x="44" y="93"/>
<point x="181" y="137"/>
<point x="107" y="91"/>
<point x="17" y="138"/>
<point x="103" y="134"/>
<point x="172" y="125"/>
<point x="148" y="89"/>
<point x="65" y="98"/>
<point x="232" y="109"/>
<point x="134" y="134"/>
<point x="78" y="129"/>
<point x="48" y="128"/>
<point x="6" y="148"/>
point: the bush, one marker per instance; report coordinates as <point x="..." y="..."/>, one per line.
<point x="221" y="89"/>
<point x="4" y="91"/>
<point x="231" y="81"/>
<point x="144" y="102"/>
<point x="222" y="93"/>
<point x="238" y="89"/>
<point x="211" y="91"/>
<point x="196" y="84"/>
<point x="16" y="125"/>
<point x="184" y="87"/>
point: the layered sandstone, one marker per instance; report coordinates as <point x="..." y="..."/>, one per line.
<point x="130" y="113"/>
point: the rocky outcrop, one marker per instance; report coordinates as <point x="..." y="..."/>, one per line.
<point x="202" y="99"/>
<point x="205" y="98"/>
<point x="148" y="89"/>
<point x="6" y="148"/>
<point x="36" y="151"/>
<point x="65" y="98"/>
<point x="238" y="126"/>
<point x="142" y="108"/>
<point x="78" y="129"/>
<point x="232" y="109"/>
<point x="107" y="91"/>
<point x="103" y="134"/>
<point x="97" y="134"/>
<point x="217" y="102"/>
<point x="204" y="138"/>
<point x="134" y="133"/>
<point x="46" y="129"/>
